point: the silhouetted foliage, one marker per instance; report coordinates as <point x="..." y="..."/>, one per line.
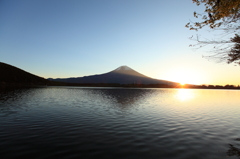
<point x="219" y="15"/>
<point x="234" y="55"/>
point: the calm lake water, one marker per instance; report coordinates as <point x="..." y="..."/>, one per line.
<point x="73" y="122"/>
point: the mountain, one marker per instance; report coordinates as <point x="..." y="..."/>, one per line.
<point x="121" y="75"/>
<point x="10" y="74"/>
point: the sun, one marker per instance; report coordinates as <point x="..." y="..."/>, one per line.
<point x="184" y="76"/>
<point x="182" y="84"/>
<point x="181" y="77"/>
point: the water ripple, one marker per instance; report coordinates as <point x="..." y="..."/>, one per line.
<point x="71" y="122"/>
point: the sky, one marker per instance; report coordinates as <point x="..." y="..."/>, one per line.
<point x="75" y="38"/>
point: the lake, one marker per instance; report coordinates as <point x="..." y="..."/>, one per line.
<point x="74" y="122"/>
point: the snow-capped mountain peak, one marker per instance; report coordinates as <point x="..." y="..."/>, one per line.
<point x="123" y="68"/>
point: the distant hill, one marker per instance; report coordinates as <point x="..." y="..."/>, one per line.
<point x="121" y="75"/>
<point x="13" y="75"/>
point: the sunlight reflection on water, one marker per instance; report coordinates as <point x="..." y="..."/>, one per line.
<point x="185" y="94"/>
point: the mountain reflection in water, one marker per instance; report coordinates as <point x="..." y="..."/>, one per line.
<point x="122" y="98"/>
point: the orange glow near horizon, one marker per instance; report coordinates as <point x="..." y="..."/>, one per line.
<point x="185" y="76"/>
<point x="182" y="84"/>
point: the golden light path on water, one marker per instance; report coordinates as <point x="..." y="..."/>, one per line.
<point x="184" y="94"/>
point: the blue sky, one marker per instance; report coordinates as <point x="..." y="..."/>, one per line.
<point x="74" y="38"/>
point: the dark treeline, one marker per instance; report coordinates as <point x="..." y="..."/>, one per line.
<point x="111" y="85"/>
<point x="212" y="86"/>
<point x="52" y="83"/>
